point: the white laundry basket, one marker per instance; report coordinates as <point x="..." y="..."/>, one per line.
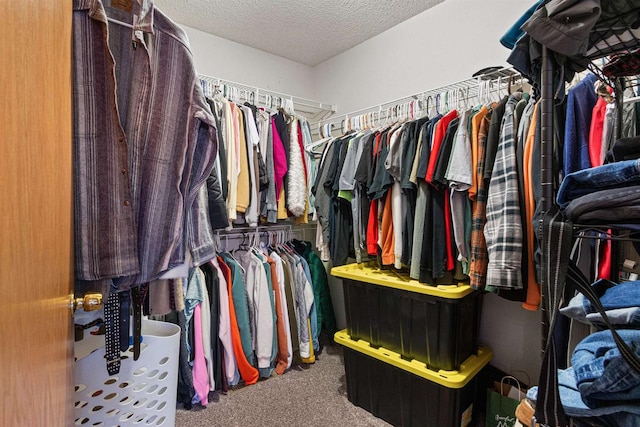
<point x="143" y="393"/>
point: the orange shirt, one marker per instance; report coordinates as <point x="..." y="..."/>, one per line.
<point x="387" y="237"/>
<point x="475" y="128"/>
<point x="533" y="288"/>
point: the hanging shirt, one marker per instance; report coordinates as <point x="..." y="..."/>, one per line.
<point x="311" y="161"/>
<point x="533" y="288"/>
<point x="296" y="181"/>
<point x="291" y="307"/>
<point x="132" y="159"/>
<point x="244" y="171"/>
<point x="282" y="128"/>
<point x="232" y="160"/>
<point x="282" y="327"/>
<point x="303" y="300"/>
<point x="238" y="295"/>
<point x="362" y="184"/>
<point x="252" y="140"/>
<point x="393" y="164"/>
<point x="440" y="131"/>
<point x="439" y="179"/>
<point x="200" y="377"/>
<point x="269" y="207"/>
<point x="205" y="330"/>
<point x="475" y="156"/>
<point x="372" y="222"/>
<point x="279" y="159"/>
<point x="581" y="100"/>
<point x="503" y="230"/>
<point x="260" y="312"/>
<point x="349" y="189"/>
<point x="248" y="373"/>
<point x="224" y="329"/>
<point x="421" y="205"/>
<point x="478" y="256"/>
<point x="459" y="176"/>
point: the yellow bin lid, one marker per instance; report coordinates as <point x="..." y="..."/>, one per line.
<point x="450" y="379"/>
<point x="368" y="274"/>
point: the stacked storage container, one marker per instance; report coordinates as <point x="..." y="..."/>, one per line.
<point x="411" y="350"/>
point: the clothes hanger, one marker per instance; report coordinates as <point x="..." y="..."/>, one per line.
<point x="462" y="99"/>
<point x="496" y="86"/>
<point x="429" y="104"/>
<point x="309" y="148"/>
<point x="243" y="246"/>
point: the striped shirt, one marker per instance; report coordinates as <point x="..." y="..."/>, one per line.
<point x="503" y="229"/>
<point x="144" y="143"/>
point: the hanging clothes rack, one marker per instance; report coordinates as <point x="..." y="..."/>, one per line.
<point x="237" y="234"/>
<point x="621" y="45"/>
<point x="240" y="92"/>
<point x="494" y="82"/>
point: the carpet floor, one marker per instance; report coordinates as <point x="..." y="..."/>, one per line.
<point x="314" y="395"/>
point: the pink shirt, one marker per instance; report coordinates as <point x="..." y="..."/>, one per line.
<point x="200" y="374"/>
<point x="279" y="159"/>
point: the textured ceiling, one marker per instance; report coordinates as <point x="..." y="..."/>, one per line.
<point x="307" y="31"/>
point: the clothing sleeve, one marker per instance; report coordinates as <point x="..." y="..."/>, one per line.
<point x="459" y="172"/>
<point x="203" y="143"/>
<point x="349" y="169"/>
<point x="199" y="233"/>
<point x="217" y="207"/>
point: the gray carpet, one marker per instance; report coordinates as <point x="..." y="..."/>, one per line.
<point x="314" y="396"/>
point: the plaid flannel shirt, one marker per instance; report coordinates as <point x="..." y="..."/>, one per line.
<point x="479" y="260"/>
<point x="503" y="229"/>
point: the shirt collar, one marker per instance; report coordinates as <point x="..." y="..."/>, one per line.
<point x="142" y="10"/>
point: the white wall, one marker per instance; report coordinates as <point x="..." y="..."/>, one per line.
<point x="442" y="45"/>
<point x="225" y="59"/>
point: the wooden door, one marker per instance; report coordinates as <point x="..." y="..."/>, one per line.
<point x="36" y="251"/>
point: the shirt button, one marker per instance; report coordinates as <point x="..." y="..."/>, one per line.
<point x="127" y="203"/>
<point x="121" y="139"/>
<point x="124" y="171"/>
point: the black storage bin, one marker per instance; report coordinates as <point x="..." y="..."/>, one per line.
<point x="405" y="393"/>
<point x="437" y="325"/>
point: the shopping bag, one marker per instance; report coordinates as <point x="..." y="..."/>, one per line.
<point x="501" y="409"/>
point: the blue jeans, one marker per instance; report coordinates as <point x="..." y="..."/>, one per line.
<point x="613" y="416"/>
<point x="609" y="176"/>
<point x="601" y="373"/>
<point x="619" y="316"/>
<point x="621" y="303"/>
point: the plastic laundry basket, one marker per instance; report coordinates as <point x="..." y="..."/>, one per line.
<point x="143" y="393"/>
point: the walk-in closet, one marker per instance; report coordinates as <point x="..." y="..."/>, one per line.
<point x="326" y="213"/>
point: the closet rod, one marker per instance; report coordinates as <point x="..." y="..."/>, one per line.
<point x="471" y="85"/>
<point x="297" y="100"/>
<point x="260" y="228"/>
